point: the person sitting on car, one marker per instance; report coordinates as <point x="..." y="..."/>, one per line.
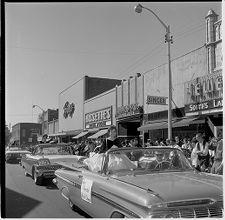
<point x="159" y="162"/>
<point x="111" y="142"/>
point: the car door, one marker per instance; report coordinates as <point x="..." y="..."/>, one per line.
<point x="30" y="160"/>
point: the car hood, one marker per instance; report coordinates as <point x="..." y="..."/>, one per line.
<point x="179" y="186"/>
<point x="58" y="158"/>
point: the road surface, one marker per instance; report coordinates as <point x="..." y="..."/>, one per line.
<point x="25" y="199"/>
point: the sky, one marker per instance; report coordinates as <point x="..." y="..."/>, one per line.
<point x="49" y="46"/>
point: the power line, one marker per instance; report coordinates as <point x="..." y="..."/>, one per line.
<point x="186" y="33"/>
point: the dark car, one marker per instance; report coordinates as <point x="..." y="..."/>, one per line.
<point x="15" y="156"/>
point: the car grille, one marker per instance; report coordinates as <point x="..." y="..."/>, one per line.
<point x="215" y="210"/>
<point x="50" y="167"/>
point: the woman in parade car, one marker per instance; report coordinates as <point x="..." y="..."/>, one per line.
<point x="111" y="141"/>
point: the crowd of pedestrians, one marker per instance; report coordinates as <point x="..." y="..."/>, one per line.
<point x="206" y="155"/>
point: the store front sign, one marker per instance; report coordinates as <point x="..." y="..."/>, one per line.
<point x="100" y="118"/>
<point x="68" y="109"/>
<point x="211" y="104"/>
<point x="204" y="93"/>
<point x="156" y="100"/>
<point x="204" y="88"/>
<point x="128" y="110"/>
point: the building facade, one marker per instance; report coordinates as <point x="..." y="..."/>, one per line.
<point x="99" y="114"/>
<point x="129" y="106"/>
<point x="197" y="90"/>
<point x="26" y="133"/>
<point x="73" y="105"/>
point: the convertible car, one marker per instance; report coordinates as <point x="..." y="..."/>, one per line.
<point x="15" y="155"/>
<point x="156" y="182"/>
<point x="42" y="162"/>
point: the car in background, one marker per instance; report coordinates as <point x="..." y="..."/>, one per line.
<point x="156" y="182"/>
<point x="42" y="163"/>
<point x="15" y="155"/>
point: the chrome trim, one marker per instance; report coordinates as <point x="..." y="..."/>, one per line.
<point x="115" y="205"/>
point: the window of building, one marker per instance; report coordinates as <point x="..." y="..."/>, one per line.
<point x="207" y="31"/>
<point x="23" y="133"/>
<point x="208" y="59"/>
<point x="217" y="30"/>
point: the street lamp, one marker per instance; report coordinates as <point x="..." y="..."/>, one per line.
<point x="38" y="107"/>
<point x="42" y="116"/>
<point x="168" y="39"/>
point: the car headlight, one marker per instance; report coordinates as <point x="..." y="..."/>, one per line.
<point x="43" y="162"/>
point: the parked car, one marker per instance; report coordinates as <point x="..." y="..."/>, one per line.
<point x="41" y="163"/>
<point x="15" y="155"/>
<point x="156" y="182"/>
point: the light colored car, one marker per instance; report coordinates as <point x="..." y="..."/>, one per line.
<point x="15" y="155"/>
<point x="140" y="183"/>
<point x="42" y="163"/>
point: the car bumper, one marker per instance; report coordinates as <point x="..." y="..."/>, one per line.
<point x="46" y="174"/>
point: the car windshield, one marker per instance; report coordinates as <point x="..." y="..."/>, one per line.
<point x="148" y="160"/>
<point x="53" y="150"/>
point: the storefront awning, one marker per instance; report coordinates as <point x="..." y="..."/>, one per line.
<point x="80" y="135"/>
<point x="153" y="126"/>
<point x="187" y="121"/>
<point x="73" y="132"/>
<point x="98" y="134"/>
<point x="57" y="134"/>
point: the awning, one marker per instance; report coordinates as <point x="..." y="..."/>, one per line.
<point x="98" y="134"/>
<point x="80" y="135"/>
<point x="187" y="121"/>
<point x="73" y="132"/>
<point x="153" y="126"/>
<point x="57" y="134"/>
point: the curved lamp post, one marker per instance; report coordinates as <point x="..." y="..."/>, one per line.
<point x="168" y="39"/>
<point x="38" y="107"/>
<point x="42" y="114"/>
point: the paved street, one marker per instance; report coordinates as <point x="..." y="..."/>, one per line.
<point x="24" y="199"/>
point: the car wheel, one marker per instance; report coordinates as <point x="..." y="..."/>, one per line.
<point x="26" y="173"/>
<point x="117" y="215"/>
<point x="37" y="179"/>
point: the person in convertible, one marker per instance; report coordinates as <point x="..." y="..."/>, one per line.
<point x="159" y="162"/>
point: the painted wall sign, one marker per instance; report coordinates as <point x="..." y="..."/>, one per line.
<point x="215" y="103"/>
<point x="204" y="88"/>
<point x="68" y="109"/>
<point x="156" y="100"/>
<point x="100" y="118"/>
<point x="86" y="190"/>
<point x="128" y="110"/>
